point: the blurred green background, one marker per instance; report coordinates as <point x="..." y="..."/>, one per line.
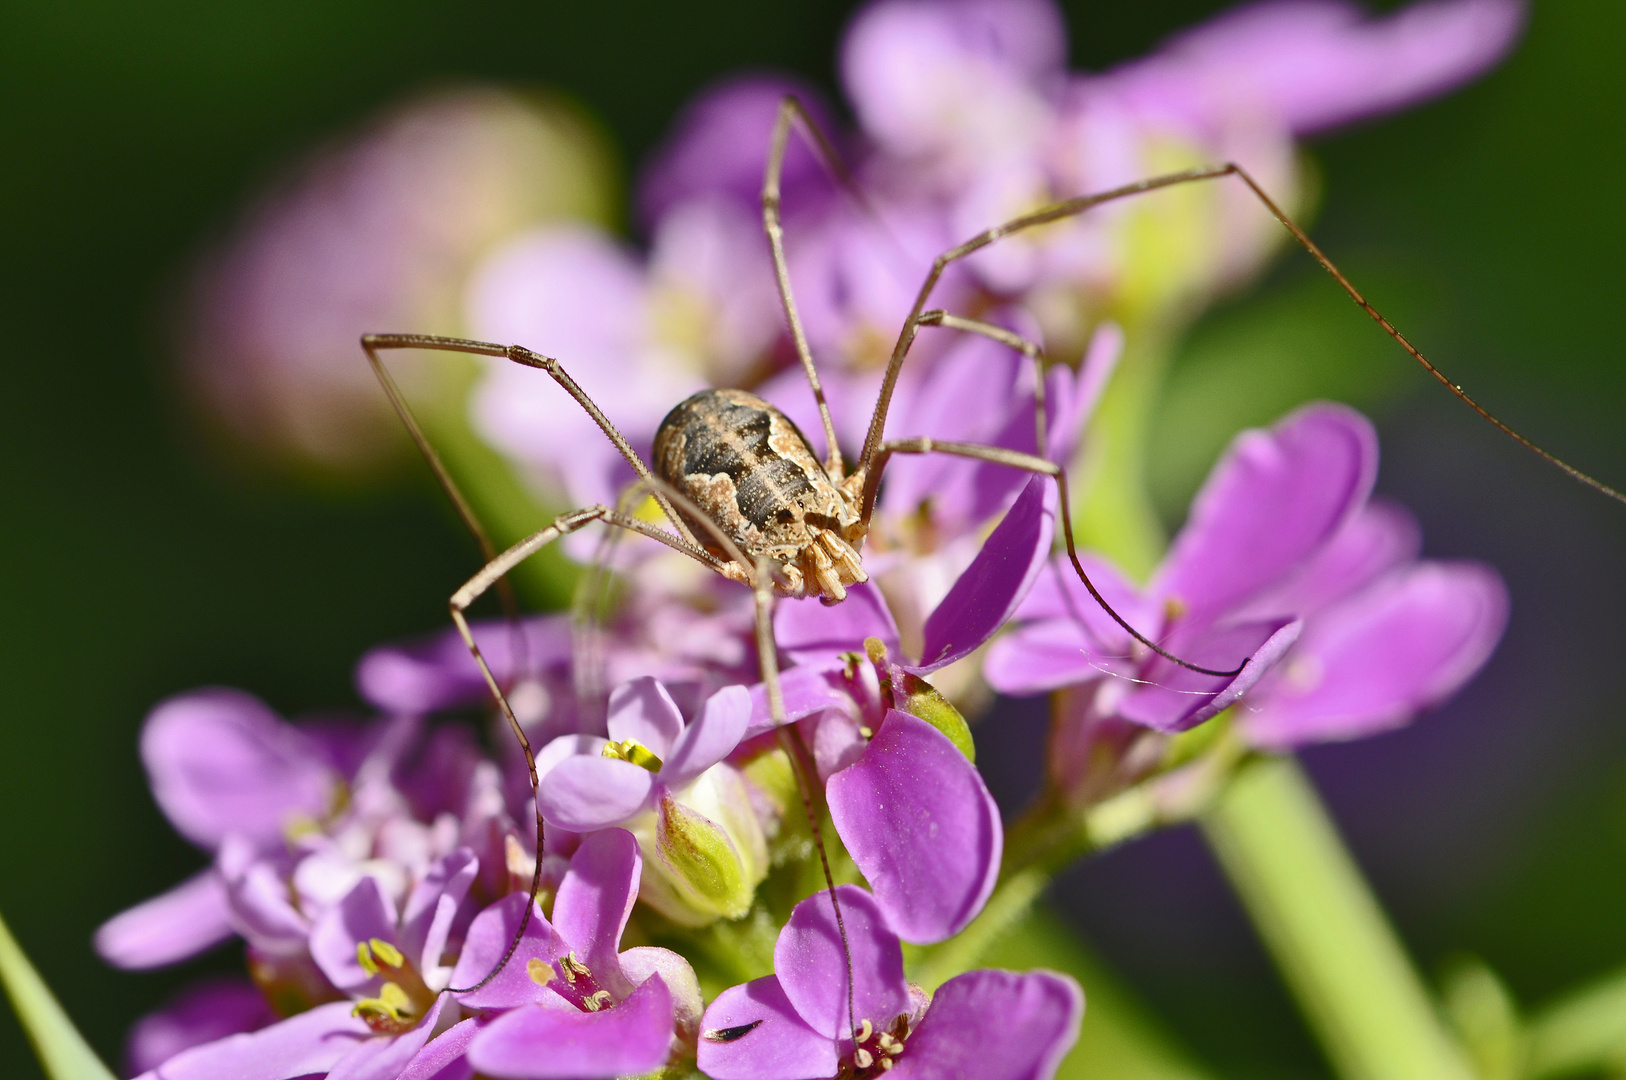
<point x="137" y="560"/>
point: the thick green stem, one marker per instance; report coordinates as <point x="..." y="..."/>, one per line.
<point x="63" y="1052"/>
<point x="1329" y="937"/>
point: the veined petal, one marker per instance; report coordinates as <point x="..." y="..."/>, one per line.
<point x="995" y="1025"/>
<point x="584" y="793"/>
<point x="752" y="1032"/>
<point x="446" y="1056"/>
<point x="596" y="898"/>
<point x="1271" y="502"/>
<point x="173" y="925"/>
<point x="920" y="824"/>
<point x="1373" y="661"/>
<point x="643" y="711"/>
<point x="532" y="1043"/>
<point x="988" y="593"/>
<point x="220" y="762"/>
<point x="812" y="966"/>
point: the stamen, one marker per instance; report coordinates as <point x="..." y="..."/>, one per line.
<point x="540" y="971"/>
<point x="387" y="953"/>
<point x="364" y="957"/>
<point x="865" y="1030"/>
<point x="863" y="1058"/>
<point x="630" y="750"/>
<point x="599" y="1000"/>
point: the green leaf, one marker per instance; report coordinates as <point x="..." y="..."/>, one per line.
<point x="61" y="1049"/>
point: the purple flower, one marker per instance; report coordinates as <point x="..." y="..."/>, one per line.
<point x="570" y="1003"/>
<point x="667" y="781"/>
<point x="377" y="233"/>
<point x="794" y="1024"/>
<point x="1283" y="559"/>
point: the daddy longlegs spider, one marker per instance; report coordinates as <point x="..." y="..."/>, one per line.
<point x="799" y="529"/>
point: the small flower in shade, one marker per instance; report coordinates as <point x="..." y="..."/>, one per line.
<point x="1283" y="558"/>
<point x="570" y="1004"/>
<point x="795" y="1024"/>
<point x="667" y="781"/>
<point x="375" y="234"/>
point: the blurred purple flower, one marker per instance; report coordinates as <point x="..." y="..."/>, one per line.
<point x="201" y="1013"/>
<point x="1281" y="539"/>
<point x="794" y="1023"/>
<point x="374" y="234"/>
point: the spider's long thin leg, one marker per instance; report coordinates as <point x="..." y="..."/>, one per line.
<point x="1028" y="463"/>
<point x="791" y="111"/>
<point x="800" y="761"/>
<point x="521" y="355"/>
<point x="1071" y="207"/>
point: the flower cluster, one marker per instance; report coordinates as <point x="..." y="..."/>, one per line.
<point x="732" y="861"/>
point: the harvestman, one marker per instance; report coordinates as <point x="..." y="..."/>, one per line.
<point x="742" y="489"/>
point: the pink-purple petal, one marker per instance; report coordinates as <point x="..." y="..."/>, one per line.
<point x="1375" y="660"/>
<point x="201" y="1014"/>
<point x="220" y="761"/>
<point x="809" y="632"/>
<point x="446" y="1055"/>
<point x="804" y="691"/>
<point x="596" y="897"/>
<point x="922" y="827"/>
<point x="988" y="593"/>
<point x="486" y="943"/>
<point x="430" y="910"/>
<point x="1275" y="497"/>
<point x="752" y="1032"/>
<point x="994" y="1025"/>
<point x="365" y="913"/>
<point x="812" y="966"/>
<point x="710" y="738"/>
<point x="584" y="793"/>
<point x="384" y="1058"/>
<point x="643" y="711"/>
<point x="171" y="926"/>
<point x="561" y="1043"/>
<point x="1177" y="698"/>
<point x="1382" y="536"/>
<point x="438" y="672"/>
<point x="310" y="1043"/>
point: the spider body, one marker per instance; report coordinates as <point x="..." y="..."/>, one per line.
<point x="754" y="474"/>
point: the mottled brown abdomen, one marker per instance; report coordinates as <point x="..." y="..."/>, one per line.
<point x="753" y="473"/>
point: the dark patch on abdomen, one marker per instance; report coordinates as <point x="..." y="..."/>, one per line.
<point x="722" y="437"/>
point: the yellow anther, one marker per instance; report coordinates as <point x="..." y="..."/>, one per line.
<point x="886" y="1064"/>
<point x="862" y="1058"/>
<point x="867" y="733"/>
<point x="364" y="957"/>
<point x="540" y="971"/>
<point x="387" y="953"/>
<point x="573" y="967"/>
<point x="1173" y="608"/>
<point x="391" y="1007"/>
<point x="889" y="1045"/>
<point x="875" y="649"/>
<point x="631" y="751"/>
<point x="599" y="1000"/>
<point x="865" y="1030"/>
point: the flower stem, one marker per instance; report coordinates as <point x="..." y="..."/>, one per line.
<point x="63" y="1052"/>
<point x="1324" y="928"/>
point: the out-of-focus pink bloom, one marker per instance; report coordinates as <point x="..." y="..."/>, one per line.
<point x="374" y="234"/>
